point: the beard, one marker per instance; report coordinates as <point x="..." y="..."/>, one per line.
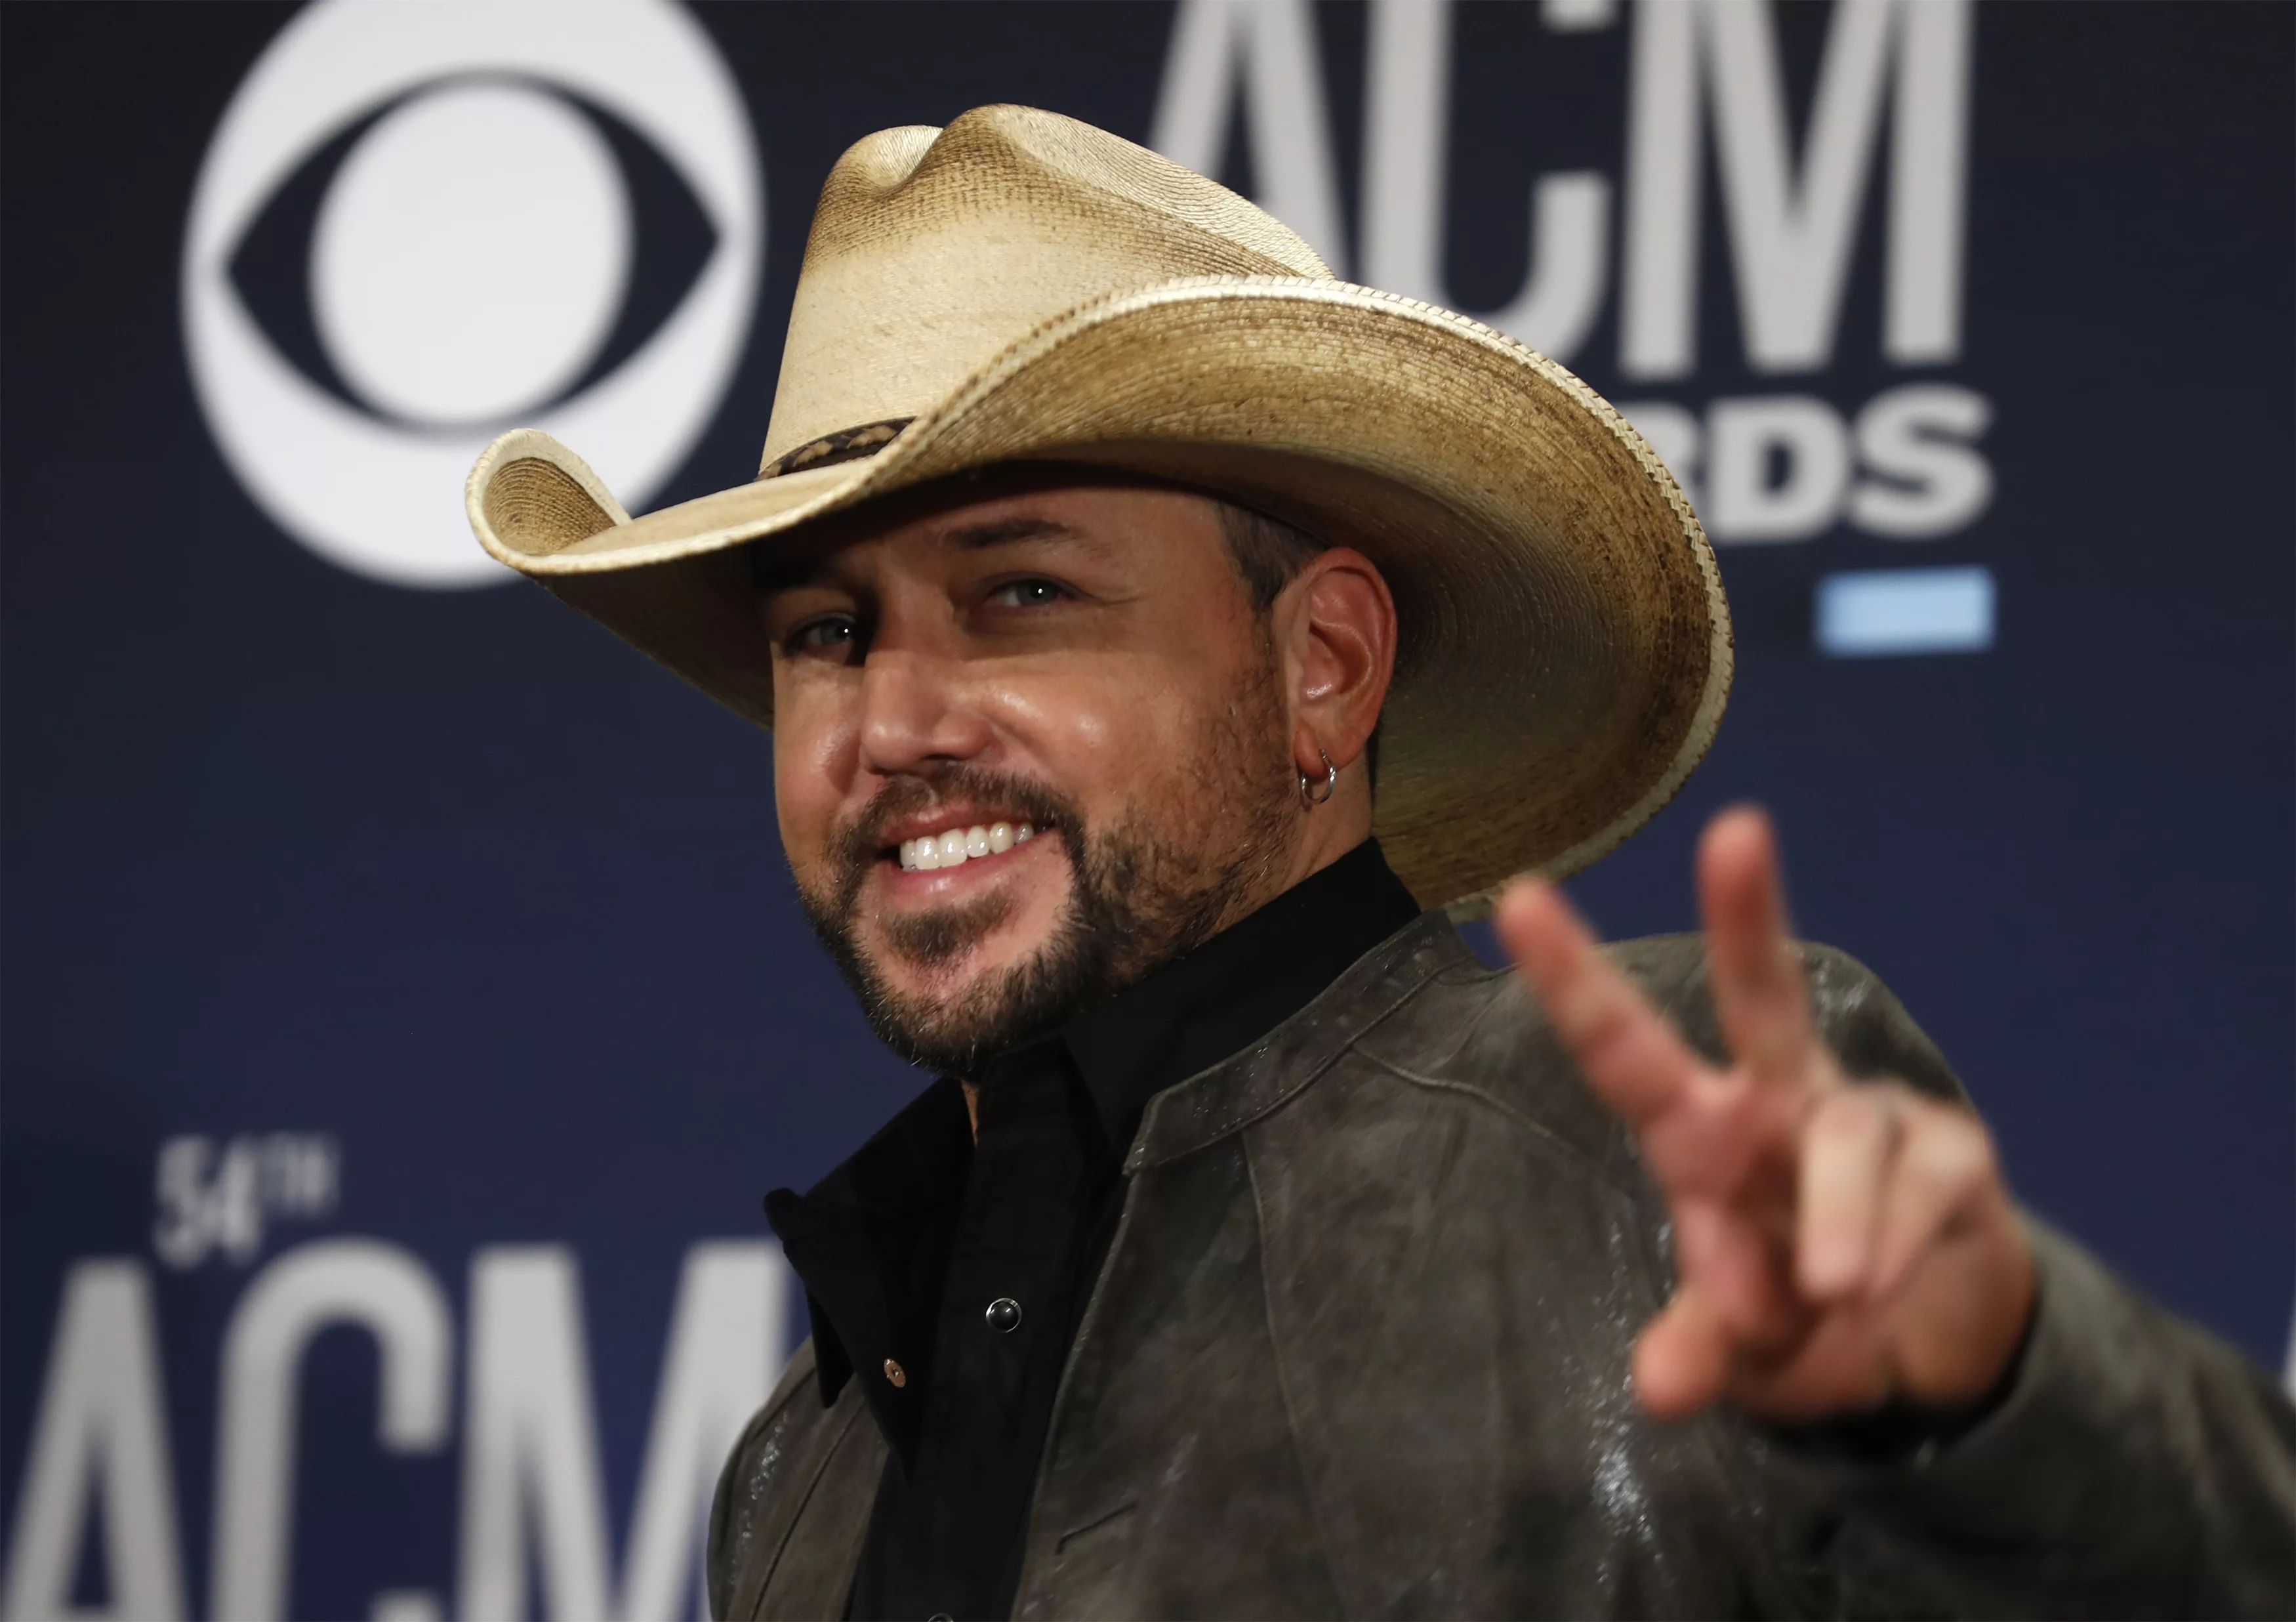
<point x="1142" y="892"/>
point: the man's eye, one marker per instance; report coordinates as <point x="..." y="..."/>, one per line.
<point x="1028" y="594"/>
<point x="831" y="637"/>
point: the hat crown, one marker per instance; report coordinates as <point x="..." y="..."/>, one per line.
<point x="933" y="250"/>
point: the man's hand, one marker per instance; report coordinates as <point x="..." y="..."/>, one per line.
<point x="1839" y="1246"/>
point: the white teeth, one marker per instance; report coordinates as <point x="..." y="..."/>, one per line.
<point x="928" y="853"/>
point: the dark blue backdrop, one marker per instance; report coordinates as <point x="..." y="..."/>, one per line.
<point x="470" y="929"/>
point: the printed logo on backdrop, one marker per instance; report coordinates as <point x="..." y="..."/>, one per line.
<point x="417" y="225"/>
<point x="1705" y="90"/>
<point x="506" y="1381"/>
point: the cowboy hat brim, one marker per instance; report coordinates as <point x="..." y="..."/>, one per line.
<point x="1566" y="647"/>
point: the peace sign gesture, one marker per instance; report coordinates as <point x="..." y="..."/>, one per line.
<point x="1838" y="1245"/>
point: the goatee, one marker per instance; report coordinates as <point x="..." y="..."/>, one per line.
<point x="1136" y="898"/>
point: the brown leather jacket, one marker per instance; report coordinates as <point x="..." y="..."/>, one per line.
<point x="1360" y="1349"/>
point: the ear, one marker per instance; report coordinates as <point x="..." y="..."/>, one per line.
<point x="1337" y="621"/>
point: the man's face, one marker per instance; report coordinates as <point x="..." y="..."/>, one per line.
<point x="1079" y="658"/>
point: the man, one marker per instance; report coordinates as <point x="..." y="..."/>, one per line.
<point x="1113" y="576"/>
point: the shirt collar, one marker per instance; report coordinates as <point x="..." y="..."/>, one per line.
<point x="1232" y="990"/>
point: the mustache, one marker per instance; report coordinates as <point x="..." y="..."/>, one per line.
<point x="854" y="848"/>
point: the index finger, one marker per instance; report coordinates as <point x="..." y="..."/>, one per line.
<point x="1760" y="996"/>
<point x="1631" y="1056"/>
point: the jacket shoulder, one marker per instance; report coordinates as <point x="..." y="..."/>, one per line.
<point x="1479" y="1034"/>
<point x="1857" y="1014"/>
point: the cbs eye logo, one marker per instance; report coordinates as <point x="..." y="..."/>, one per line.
<point x="418" y="224"/>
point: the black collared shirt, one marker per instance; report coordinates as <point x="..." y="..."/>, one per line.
<point x="948" y="1273"/>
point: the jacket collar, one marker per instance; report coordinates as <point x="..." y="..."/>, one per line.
<point x="1238" y="1090"/>
<point x="854" y="1238"/>
<point x="1234" y="989"/>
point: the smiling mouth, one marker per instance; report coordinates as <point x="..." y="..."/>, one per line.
<point x="953" y="847"/>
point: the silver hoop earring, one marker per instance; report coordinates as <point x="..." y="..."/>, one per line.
<point x="1330" y="785"/>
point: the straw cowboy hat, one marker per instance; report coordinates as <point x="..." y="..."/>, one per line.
<point x="1020" y="285"/>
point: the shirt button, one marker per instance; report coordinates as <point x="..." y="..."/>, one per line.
<point x="1004" y="1314"/>
<point x="896" y="1373"/>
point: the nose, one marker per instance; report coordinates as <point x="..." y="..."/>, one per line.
<point x="915" y="714"/>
